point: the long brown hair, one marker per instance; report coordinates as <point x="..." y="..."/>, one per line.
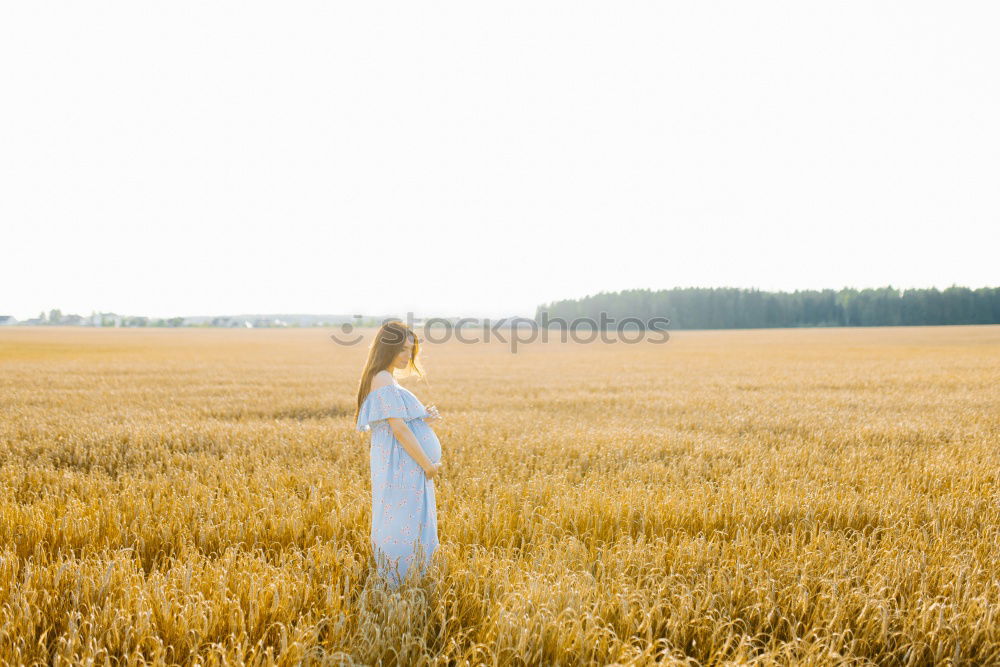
<point x="388" y="342"/>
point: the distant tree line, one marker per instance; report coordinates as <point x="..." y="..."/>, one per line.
<point x="56" y="317"/>
<point x="739" y="308"/>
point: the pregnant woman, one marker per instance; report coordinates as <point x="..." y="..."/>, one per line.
<point x="405" y="456"/>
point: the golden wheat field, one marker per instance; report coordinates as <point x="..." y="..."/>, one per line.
<point x="812" y="496"/>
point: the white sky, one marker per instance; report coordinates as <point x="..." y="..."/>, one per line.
<point x="478" y="159"/>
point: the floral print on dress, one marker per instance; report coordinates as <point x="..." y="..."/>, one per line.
<point x="404" y="510"/>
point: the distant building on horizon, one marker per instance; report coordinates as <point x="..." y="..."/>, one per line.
<point x="106" y="320"/>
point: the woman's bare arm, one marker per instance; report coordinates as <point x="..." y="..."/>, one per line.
<point x="409" y="442"/>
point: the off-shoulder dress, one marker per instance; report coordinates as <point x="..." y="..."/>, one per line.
<point x="404" y="511"/>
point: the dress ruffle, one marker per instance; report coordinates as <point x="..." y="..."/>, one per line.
<point x="389" y="401"/>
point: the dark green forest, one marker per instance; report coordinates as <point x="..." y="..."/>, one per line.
<point x="742" y="308"/>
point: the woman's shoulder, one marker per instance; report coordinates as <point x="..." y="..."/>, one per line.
<point x="382" y="379"/>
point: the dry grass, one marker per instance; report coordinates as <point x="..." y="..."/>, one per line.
<point x="808" y="496"/>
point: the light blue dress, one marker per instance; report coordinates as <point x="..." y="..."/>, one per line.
<point x="404" y="511"/>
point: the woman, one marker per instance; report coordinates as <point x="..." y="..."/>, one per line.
<point x="405" y="455"/>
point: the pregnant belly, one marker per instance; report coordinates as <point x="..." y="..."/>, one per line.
<point x="427" y="438"/>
